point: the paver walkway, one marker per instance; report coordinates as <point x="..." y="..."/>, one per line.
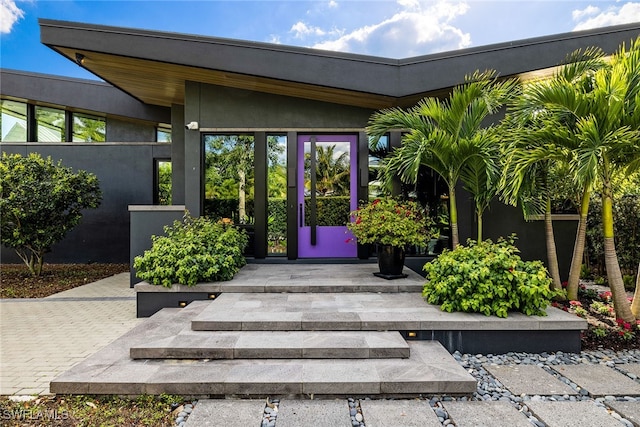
<point x="42" y="338"/>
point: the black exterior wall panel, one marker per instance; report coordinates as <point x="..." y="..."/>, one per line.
<point x="223" y="107"/>
<point x="125" y="172"/>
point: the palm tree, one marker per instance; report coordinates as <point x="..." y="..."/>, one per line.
<point x="446" y="136"/>
<point x="596" y="116"/>
<point x="552" y="107"/>
<point x="528" y="159"/>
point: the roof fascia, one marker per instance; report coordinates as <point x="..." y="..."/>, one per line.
<point x="367" y="74"/>
<point x="78" y="94"/>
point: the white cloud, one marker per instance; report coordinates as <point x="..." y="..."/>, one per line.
<point x="627" y="13"/>
<point x="302" y="30"/>
<point x="333" y="4"/>
<point x="9" y="14"/>
<point x="417" y="28"/>
<point x="577" y="15"/>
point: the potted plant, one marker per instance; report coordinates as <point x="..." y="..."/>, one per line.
<point x="391" y="224"/>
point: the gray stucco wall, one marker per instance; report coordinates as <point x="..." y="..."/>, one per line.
<point x="227" y="108"/>
<point x="127" y="131"/>
<point x="125" y="172"/>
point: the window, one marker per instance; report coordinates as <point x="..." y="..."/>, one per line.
<point x="229" y="177"/>
<point x="163" y="134"/>
<point x="89" y="128"/>
<point x="50" y="125"/>
<point x="13" y="121"/>
<point x="162" y="195"/>
<point x="277" y="194"/>
<point x="376" y="154"/>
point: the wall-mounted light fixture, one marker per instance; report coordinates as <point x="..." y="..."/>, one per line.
<point x="212" y="296"/>
<point x="182" y="304"/>
<point x="412" y="334"/>
<point x="79" y="58"/>
<point x="191" y="126"/>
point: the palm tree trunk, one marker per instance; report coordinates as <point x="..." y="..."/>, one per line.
<point x="242" y="210"/>
<point x="578" y="248"/>
<point x="453" y="217"/>
<point x="479" y="217"/>
<point x="635" y="305"/>
<point x="614" y="275"/>
<point x="552" y="256"/>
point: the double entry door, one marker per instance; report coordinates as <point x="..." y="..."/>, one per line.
<point x="327" y="183"/>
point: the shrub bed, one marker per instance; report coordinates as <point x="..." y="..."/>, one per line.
<point x="194" y="250"/>
<point x="488" y="278"/>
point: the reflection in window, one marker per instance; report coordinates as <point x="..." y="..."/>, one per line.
<point x="163" y="134"/>
<point x="13" y="121"/>
<point x="229" y="177"/>
<point x="277" y="194"/>
<point x="51" y="125"/>
<point x="163" y="182"/>
<point x="376" y="154"/>
<point x="88" y="129"/>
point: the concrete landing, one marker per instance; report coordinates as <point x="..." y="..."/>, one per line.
<point x="301" y="278"/>
<point x="430" y="369"/>
<point x="275" y="345"/>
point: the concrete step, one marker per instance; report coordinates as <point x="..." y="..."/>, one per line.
<point x="314" y="312"/>
<point x="275" y="345"/>
<point x="429" y="369"/>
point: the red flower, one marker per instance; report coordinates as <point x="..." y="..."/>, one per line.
<point x="358" y="220"/>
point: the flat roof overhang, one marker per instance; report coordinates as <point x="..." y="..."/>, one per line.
<point x="154" y="66"/>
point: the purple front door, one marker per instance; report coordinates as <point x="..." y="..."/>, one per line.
<point x="327" y="172"/>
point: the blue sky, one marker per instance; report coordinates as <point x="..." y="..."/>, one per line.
<point x="388" y="28"/>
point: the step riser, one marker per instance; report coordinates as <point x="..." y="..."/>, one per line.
<point x="269" y="353"/>
<point x="204" y="325"/>
<point x="275" y="345"/>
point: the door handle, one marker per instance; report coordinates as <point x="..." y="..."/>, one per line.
<point x="301" y="216"/>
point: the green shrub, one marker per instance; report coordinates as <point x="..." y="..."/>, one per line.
<point x="40" y="202"/>
<point x="194" y="250"/>
<point x="629" y="282"/>
<point x="488" y="278"/>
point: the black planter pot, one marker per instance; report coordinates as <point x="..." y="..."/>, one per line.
<point x="390" y="262"/>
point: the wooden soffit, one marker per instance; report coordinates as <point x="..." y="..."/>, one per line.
<point x="159" y="83"/>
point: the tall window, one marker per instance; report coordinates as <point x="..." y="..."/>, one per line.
<point x="50" y="125"/>
<point x="277" y="194"/>
<point x="163" y="182"/>
<point x="89" y="128"/>
<point x="13" y="121"/>
<point x="229" y="177"/>
<point x="376" y="154"/>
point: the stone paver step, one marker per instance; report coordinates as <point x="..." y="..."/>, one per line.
<point x="291" y="412"/>
<point x="430" y="369"/>
<point x="275" y="345"/>
<point x="359" y="312"/>
<point x="599" y="380"/>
